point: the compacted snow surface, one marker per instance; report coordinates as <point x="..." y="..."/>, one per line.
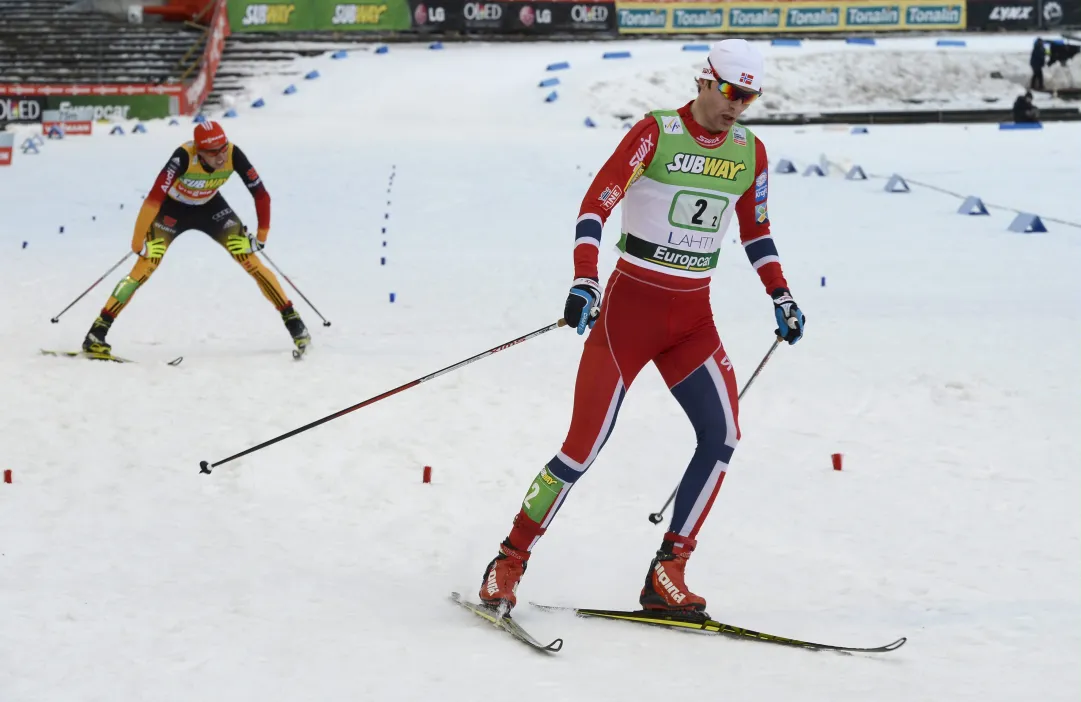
<point x="940" y="359"/>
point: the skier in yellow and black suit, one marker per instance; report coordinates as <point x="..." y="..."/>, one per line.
<point x="185" y="196"/>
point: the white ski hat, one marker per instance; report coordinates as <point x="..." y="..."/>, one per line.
<point x="738" y="62"/>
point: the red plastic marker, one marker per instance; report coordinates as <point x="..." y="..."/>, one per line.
<point x="836" y="461"/>
<point x="427" y="474"/>
<point x="7" y="476"/>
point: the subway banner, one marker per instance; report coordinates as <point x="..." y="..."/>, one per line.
<point x="426" y="16"/>
<point x="780" y="16"/>
<point x="318" y="15"/>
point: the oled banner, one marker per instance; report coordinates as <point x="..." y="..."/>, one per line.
<point x="426" y="16"/>
<point x="514" y="17"/>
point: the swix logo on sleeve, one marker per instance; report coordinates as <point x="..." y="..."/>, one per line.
<point x="637" y="162"/>
<point x="645" y="144"/>
<point x="704" y="165"/>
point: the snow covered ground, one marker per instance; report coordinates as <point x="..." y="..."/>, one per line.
<point x="940" y="359"/>
<point x="821" y="75"/>
<point x="908" y="73"/>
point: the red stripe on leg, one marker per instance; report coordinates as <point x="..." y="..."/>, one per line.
<point x="708" y="507"/>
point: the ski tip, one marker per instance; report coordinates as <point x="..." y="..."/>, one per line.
<point x="555" y="646"/>
<point x="176" y="361"/>
<point x="896" y="644"/>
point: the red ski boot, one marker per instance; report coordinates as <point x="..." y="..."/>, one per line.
<point x="502" y="576"/>
<point x="665" y="589"/>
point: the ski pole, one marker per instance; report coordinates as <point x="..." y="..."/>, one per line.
<point x="658" y="516"/>
<point x="205" y="467"/>
<point x="56" y="319"/>
<point x="326" y="323"/>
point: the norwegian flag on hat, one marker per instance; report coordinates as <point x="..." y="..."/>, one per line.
<point x="209" y="136"/>
<point x="739" y="62"/>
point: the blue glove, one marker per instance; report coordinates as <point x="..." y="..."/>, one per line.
<point x="790" y="319"/>
<point x="583" y="304"/>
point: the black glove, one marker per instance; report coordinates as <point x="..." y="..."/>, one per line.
<point x="583" y="304"/>
<point x="790" y="319"/>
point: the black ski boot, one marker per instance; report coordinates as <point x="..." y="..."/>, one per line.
<point x="297" y="330"/>
<point x="95" y="338"/>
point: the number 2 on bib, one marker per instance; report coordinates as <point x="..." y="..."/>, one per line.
<point x="702" y="212"/>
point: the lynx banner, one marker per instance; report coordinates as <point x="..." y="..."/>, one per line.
<point x="779" y="16"/>
<point x="1023" y="15"/>
<point x="321" y="15"/>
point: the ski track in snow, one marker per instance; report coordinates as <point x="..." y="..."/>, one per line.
<point x="940" y="359"/>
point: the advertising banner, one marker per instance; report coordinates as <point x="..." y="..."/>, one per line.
<point x="545" y="17"/>
<point x="480" y="16"/>
<point x="436" y="16"/>
<point x="1071" y="13"/>
<point x="25" y="103"/>
<point x="79" y="120"/>
<point x="779" y="16"/>
<point x="7" y="144"/>
<point x="119" y="107"/>
<point x="20" y="108"/>
<point x="1023" y="15"/>
<point x="77" y="89"/>
<point x="255" y="16"/>
<point x="1012" y="15"/>
<point x="370" y="15"/>
<point x="321" y="15"/>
